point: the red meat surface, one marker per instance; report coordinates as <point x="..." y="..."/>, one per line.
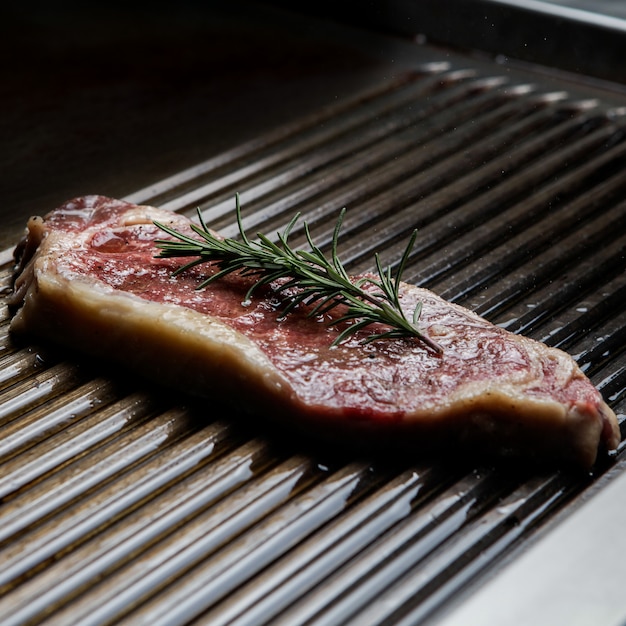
<point x="89" y="277"/>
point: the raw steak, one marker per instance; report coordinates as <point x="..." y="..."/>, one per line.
<point x="88" y="276"/>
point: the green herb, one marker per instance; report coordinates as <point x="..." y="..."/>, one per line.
<point x="315" y="280"/>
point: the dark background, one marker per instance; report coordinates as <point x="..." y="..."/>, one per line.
<point x="110" y="97"/>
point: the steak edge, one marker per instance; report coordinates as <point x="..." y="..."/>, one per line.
<point x="88" y="277"/>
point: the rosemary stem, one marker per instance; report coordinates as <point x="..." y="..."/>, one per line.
<point x="321" y="280"/>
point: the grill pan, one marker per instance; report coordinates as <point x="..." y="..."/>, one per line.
<point x="122" y="504"/>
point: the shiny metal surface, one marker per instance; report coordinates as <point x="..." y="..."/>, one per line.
<point x="571" y="576"/>
<point x="122" y="504"/>
<point x="584" y="39"/>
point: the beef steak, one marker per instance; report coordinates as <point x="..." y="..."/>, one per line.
<point x="88" y="276"/>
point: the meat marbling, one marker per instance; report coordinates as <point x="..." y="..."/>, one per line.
<point x="88" y="276"/>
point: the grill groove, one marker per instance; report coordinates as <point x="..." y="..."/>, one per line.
<point x="119" y="505"/>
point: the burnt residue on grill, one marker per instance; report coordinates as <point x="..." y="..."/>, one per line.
<point x="122" y="505"/>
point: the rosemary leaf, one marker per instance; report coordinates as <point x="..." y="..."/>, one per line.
<point x="320" y="283"/>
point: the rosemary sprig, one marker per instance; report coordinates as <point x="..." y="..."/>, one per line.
<point x="320" y="282"/>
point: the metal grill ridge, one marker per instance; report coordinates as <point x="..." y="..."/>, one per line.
<point x="121" y="505"/>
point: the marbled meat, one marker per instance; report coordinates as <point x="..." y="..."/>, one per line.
<point x="88" y="276"/>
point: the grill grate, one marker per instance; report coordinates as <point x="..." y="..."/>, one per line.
<point x="120" y="505"/>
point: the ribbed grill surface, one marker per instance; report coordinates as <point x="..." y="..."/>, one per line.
<point x="121" y="505"/>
